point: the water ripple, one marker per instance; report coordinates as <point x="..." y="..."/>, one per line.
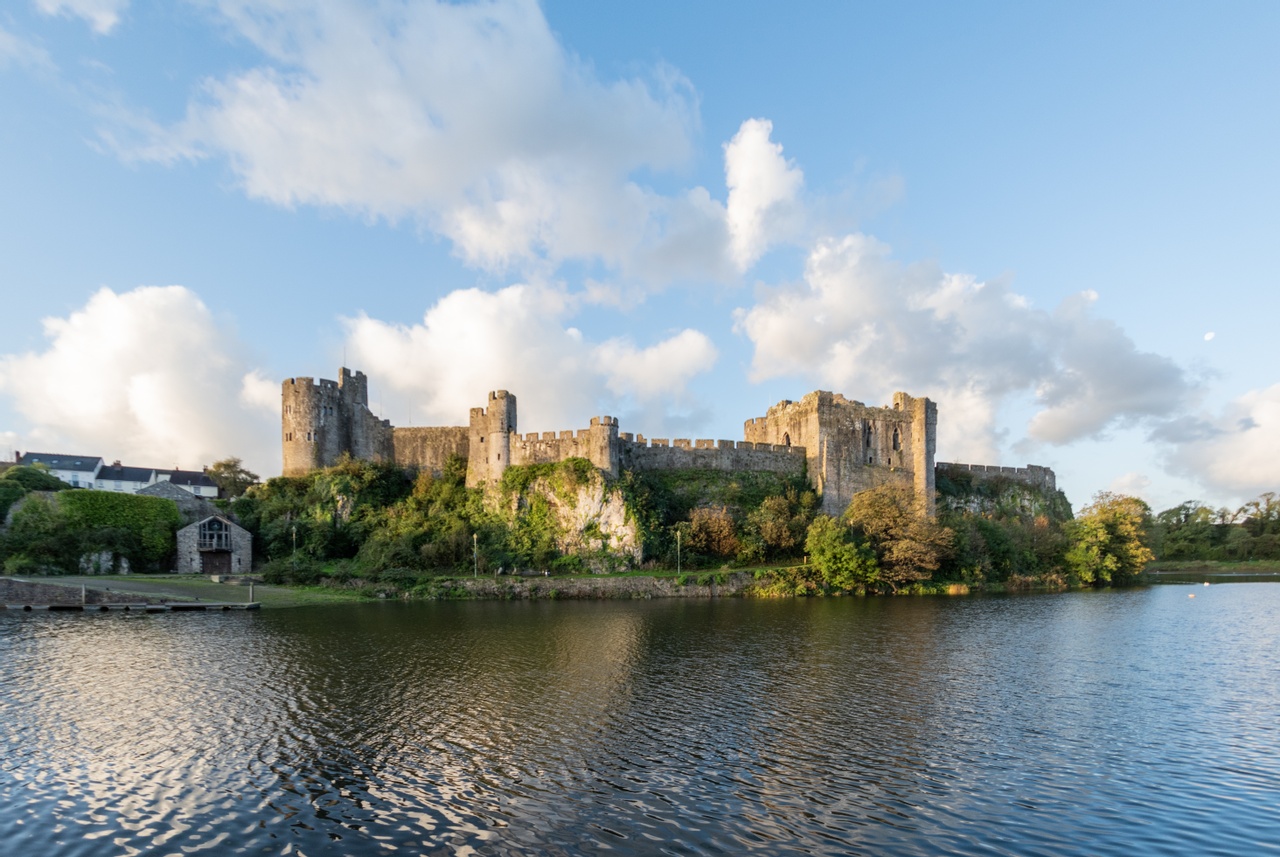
<point x="1098" y="723"/>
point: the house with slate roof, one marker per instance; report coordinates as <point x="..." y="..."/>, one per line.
<point x="78" y="471"/>
<point x="89" y="471"/>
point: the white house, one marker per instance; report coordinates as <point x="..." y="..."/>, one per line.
<point x="87" y="471"/>
<point x="78" y="471"/>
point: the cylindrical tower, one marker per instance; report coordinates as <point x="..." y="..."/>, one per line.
<point x="501" y="424"/>
<point x="298" y="426"/>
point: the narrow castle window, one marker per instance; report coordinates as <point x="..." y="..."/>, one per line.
<point x="868" y="459"/>
<point x="868" y="440"/>
<point x="786" y="439"/>
<point x="896" y="445"/>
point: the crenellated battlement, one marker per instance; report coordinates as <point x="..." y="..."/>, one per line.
<point x="1032" y="474"/>
<point x="843" y="445"/>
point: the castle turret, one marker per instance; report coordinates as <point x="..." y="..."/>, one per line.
<point x="490" y="439"/>
<point x="602" y="445"/>
<point x="321" y="420"/>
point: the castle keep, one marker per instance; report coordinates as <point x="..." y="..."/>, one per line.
<point x="843" y="446"/>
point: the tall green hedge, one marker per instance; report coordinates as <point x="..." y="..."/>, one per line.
<point x="152" y="521"/>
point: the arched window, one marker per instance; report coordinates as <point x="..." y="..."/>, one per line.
<point x="786" y="439"/>
<point x="896" y="443"/>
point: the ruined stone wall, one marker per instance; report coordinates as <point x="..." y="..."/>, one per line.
<point x="851" y="447"/>
<point x="1033" y="474"/>
<point x="637" y="453"/>
<point x="429" y="447"/>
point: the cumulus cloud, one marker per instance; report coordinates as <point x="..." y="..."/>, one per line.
<point x="101" y="15"/>
<point x="861" y="321"/>
<point x="1234" y="452"/>
<point x="469" y="118"/>
<point x="648" y="373"/>
<point x="516" y="339"/>
<point x="147" y="376"/>
<point x="763" y="187"/>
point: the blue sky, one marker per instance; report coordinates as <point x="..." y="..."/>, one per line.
<point x="1052" y="219"/>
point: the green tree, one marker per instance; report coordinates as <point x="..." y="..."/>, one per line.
<point x="231" y="476"/>
<point x="844" y="564"/>
<point x="908" y="544"/>
<point x="36" y="478"/>
<point x="1108" y="540"/>
<point x="40" y="540"/>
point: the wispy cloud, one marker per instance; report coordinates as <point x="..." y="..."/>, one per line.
<point x="101" y="15"/>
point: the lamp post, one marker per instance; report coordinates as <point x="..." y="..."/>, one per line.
<point x="475" y="554"/>
<point x="677" y="551"/>
<point x="295" y="546"/>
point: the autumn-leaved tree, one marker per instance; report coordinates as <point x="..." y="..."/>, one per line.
<point x="909" y="544"/>
<point x="231" y="476"/>
<point x="1108" y="540"/>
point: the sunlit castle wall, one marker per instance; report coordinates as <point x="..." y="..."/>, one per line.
<point x="850" y="447"/>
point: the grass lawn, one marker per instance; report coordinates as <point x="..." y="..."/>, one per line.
<point x="191" y="588"/>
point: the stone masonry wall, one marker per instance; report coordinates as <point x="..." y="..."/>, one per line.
<point x="683" y="454"/>
<point x="1033" y="474"/>
<point x="844" y="446"/>
<point x="429" y="447"/>
<point x="851" y="447"/>
<point x="320" y="420"/>
<point x="188" y="558"/>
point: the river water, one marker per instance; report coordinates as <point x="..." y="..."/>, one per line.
<point x="1130" y="722"/>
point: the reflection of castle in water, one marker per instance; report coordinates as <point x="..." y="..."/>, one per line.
<point x="841" y="445"/>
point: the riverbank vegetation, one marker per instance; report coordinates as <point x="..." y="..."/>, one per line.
<point x="380" y="530"/>
<point x="60" y="530"/>
<point x="383" y="530"/>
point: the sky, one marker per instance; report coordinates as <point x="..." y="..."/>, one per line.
<point x="1052" y="219"/>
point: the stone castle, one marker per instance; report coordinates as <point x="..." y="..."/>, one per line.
<point x="842" y="446"/>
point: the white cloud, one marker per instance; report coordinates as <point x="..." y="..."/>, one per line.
<point x="470" y="119"/>
<point x="763" y="187"/>
<point x="1133" y="484"/>
<point x="648" y="373"/>
<point x="146" y="376"/>
<point x="864" y="323"/>
<point x="515" y="339"/>
<point x="16" y="51"/>
<point x="102" y="15"/>
<point x="1233" y="453"/>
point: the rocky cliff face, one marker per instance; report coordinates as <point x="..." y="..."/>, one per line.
<point x="578" y="510"/>
<point x="1001" y="497"/>
<point x="592" y="519"/>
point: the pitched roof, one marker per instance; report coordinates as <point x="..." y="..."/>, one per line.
<point x="57" y="461"/>
<point x="188" y="477"/>
<point x="124" y="473"/>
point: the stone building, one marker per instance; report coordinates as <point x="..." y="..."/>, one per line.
<point x="842" y="445"/>
<point x="191" y="507"/>
<point x="850" y="447"/>
<point x="214" y="545"/>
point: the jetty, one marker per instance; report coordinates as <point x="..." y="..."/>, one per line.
<point x="141" y="607"/>
<point x="49" y="596"/>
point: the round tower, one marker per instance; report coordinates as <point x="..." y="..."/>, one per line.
<point x="298" y="425"/>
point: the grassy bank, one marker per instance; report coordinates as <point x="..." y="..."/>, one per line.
<point x="194" y="588"/>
